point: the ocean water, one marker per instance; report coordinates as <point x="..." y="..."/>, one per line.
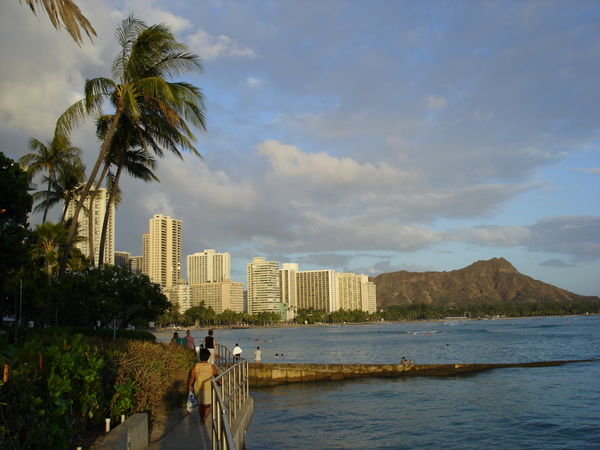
<point x="512" y="408"/>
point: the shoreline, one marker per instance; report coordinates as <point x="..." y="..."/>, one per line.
<point x="301" y="325"/>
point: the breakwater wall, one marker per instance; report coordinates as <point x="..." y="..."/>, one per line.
<point x="269" y="374"/>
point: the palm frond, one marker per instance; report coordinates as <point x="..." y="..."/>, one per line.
<point x="65" y="13"/>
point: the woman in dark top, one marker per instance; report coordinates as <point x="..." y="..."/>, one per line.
<point x="210" y="344"/>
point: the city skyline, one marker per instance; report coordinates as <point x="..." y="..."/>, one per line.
<point x="361" y="137"/>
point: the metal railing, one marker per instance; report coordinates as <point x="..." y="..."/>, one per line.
<point x="229" y="394"/>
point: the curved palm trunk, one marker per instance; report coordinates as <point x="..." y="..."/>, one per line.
<point x="86" y="190"/>
<point x="111" y="197"/>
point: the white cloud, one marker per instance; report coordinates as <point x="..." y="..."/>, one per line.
<point x="158" y="203"/>
<point x="253" y="82"/>
<point x="435" y="102"/>
<point x="212" y="47"/>
<point x="321" y="169"/>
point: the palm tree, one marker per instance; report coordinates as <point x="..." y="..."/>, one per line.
<point x="64" y="13"/>
<point x="139" y="164"/>
<point x="51" y="157"/>
<point x="49" y="237"/>
<point x="140" y="93"/>
<point x="68" y="180"/>
<point x="130" y="151"/>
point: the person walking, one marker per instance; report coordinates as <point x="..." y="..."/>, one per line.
<point x="199" y="379"/>
<point x="189" y="340"/>
<point x="257" y="355"/>
<point x="210" y="344"/>
<point x="237" y="352"/>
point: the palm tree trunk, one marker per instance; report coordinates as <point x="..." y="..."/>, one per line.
<point x="111" y="197"/>
<point x="47" y="198"/>
<point x="90" y="230"/>
<point x="101" y="155"/>
<point x="64" y="213"/>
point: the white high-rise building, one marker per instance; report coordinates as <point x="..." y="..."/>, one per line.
<point x="288" y="289"/>
<point x="355" y="292"/>
<point x="263" y="286"/>
<point x="162" y="250"/>
<point x="89" y="225"/>
<point x="208" y="267"/>
<point x="317" y="289"/>
<point x="371" y="294"/>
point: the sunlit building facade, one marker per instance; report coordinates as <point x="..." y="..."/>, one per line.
<point x="263" y="286"/>
<point x="89" y="225"/>
<point x="162" y="245"/>
<point x="355" y="292"/>
<point x="288" y="289"/>
<point x="220" y="296"/>
<point x="317" y="289"/>
<point x="208" y="267"/>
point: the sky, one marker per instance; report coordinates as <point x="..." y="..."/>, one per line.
<point x="350" y="135"/>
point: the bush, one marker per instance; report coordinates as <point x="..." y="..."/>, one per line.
<point x="60" y="384"/>
<point x="157" y="372"/>
<point x="52" y="392"/>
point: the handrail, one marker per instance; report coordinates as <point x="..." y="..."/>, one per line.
<point x="221" y="437"/>
<point x="230" y="390"/>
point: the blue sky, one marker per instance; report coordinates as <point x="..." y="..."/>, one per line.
<point x="353" y="135"/>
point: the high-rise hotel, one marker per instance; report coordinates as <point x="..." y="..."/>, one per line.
<point x="263" y="286"/>
<point x="161" y="250"/>
<point x="209" y="279"/>
<point x="208" y="267"/>
<point x="89" y="225"/>
<point x="288" y="289"/>
<point x="317" y="289"/>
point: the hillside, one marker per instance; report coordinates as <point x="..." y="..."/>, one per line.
<point x="495" y="280"/>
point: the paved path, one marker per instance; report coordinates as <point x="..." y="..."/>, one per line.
<point x="188" y="434"/>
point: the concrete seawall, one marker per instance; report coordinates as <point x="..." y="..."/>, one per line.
<point x="269" y="374"/>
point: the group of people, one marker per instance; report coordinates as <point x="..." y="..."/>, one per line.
<point x="405" y="362"/>
<point x="202" y="372"/>
<point x="209" y="343"/>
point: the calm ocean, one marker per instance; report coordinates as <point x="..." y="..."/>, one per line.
<point x="515" y="408"/>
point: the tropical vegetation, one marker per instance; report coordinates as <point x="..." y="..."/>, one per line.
<point x="64" y="13"/>
<point x="148" y="109"/>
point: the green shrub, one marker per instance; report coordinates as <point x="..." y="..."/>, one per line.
<point x="61" y="384"/>
<point x="158" y="373"/>
<point x="53" y="391"/>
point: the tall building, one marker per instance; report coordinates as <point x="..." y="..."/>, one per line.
<point x="135" y="264"/>
<point x="162" y="250"/>
<point x="371" y="297"/>
<point x="263" y="286"/>
<point x="179" y="295"/>
<point x="144" y="263"/>
<point x="317" y="289"/>
<point x="355" y="292"/>
<point x="220" y="295"/>
<point x="288" y="289"/>
<point x="208" y="267"/>
<point x="122" y="259"/>
<point x="89" y="225"/>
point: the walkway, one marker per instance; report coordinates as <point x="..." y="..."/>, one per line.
<point x="188" y="434"/>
